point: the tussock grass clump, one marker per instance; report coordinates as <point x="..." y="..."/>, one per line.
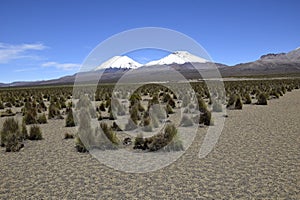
<point x="202" y="105"/>
<point x="235" y="102"/>
<point x="68" y="136"/>
<point x="42" y="119"/>
<point x="11" y="136"/>
<point x="109" y="133"/>
<point x="24" y="131"/>
<point x="139" y="142"/>
<point x="205" y="118"/>
<point x="30" y="115"/>
<point x="147" y="125"/>
<point x="238" y="103"/>
<point x="79" y="145"/>
<point x="262" y="99"/>
<point x="35" y="133"/>
<point x="248" y="99"/>
<point x="70" y="119"/>
<point x="168" y="140"/>
<point x="231" y="101"/>
<point x="54" y="111"/>
<point x="169" y="109"/>
<point x="1" y="105"/>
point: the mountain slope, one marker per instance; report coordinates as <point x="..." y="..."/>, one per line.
<point x="183" y="62"/>
<point x="178" y="57"/>
<point x="119" y="62"/>
<point x="281" y="63"/>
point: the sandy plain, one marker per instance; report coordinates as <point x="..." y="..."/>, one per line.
<point x="257" y="157"/>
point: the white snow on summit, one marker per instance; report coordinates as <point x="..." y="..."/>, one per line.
<point x="119" y="62"/>
<point x="178" y="57"/>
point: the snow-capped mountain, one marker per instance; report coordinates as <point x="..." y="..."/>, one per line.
<point x="119" y="62"/>
<point x="178" y="57"/>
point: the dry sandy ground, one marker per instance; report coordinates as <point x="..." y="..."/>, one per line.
<point x="257" y="157"/>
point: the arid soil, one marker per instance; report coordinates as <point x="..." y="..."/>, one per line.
<point x="257" y="157"/>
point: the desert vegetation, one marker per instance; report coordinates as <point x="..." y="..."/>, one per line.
<point x="146" y="109"/>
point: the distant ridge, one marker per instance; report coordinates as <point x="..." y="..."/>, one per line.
<point x="182" y="61"/>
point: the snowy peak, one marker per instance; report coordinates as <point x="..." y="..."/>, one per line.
<point x="178" y="57"/>
<point x="119" y="62"/>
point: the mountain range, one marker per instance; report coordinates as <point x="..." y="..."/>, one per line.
<point x="184" y="62"/>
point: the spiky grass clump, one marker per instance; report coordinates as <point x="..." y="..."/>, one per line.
<point x="53" y="111"/>
<point x="79" y="145"/>
<point x="262" y="99"/>
<point x="231" y="101"/>
<point x="168" y="140"/>
<point x="139" y="142"/>
<point x="35" y="133"/>
<point x="11" y="136"/>
<point x="24" y="131"/>
<point x="70" y="119"/>
<point x="68" y="136"/>
<point x="147" y="125"/>
<point x="1" y="105"/>
<point x="169" y="109"/>
<point x="30" y="115"/>
<point x="238" y="103"/>
<point x="248" y="99"/>
<point x="205" y="118"/>
<point x="42" y="119"/>
<point x="109" y="133"/>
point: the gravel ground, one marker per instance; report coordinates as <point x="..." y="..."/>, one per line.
<point x="257" y="157"/>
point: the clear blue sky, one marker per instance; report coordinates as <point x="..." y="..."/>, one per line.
<point x="51" y="38"/>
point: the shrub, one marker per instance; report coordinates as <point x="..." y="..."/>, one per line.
<point x="275" y="94"/>
<point x="115" y="127"/>
<point x="102" y="107"/>
<point x="109" y="133"/>
<point x="205" y="118"/>
<point x="79" y="145"/>
<point x="231" y="101"/>
<point x="68" y="136"/>
<point x="186" y="121"/>
<point x="169" y="109"/>
<point x="247" y="99"/>
<point x="35" y="133"/>
<point x="238" y="103"/>
<point x="139" y="142"/>
<point x="172" y="103"/>
<point x="1" y="105"/>
<point x="202" y="105"/>
<point x="11" y="136"/>
<point x="53" y="111"/>
<point x="24" y="131"/>
<point x="134" y="114"/>
<point x="70" y="119"/>
<point x="8" y="105"/>
<point x="42" y="119"/>
<point x="30" y="116"/>
<point x="262" y="99"/>
<point x="146" y="123"/>
<point x="168" y="140"/>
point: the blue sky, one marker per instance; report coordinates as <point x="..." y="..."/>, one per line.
<point x="51" y="38"/>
